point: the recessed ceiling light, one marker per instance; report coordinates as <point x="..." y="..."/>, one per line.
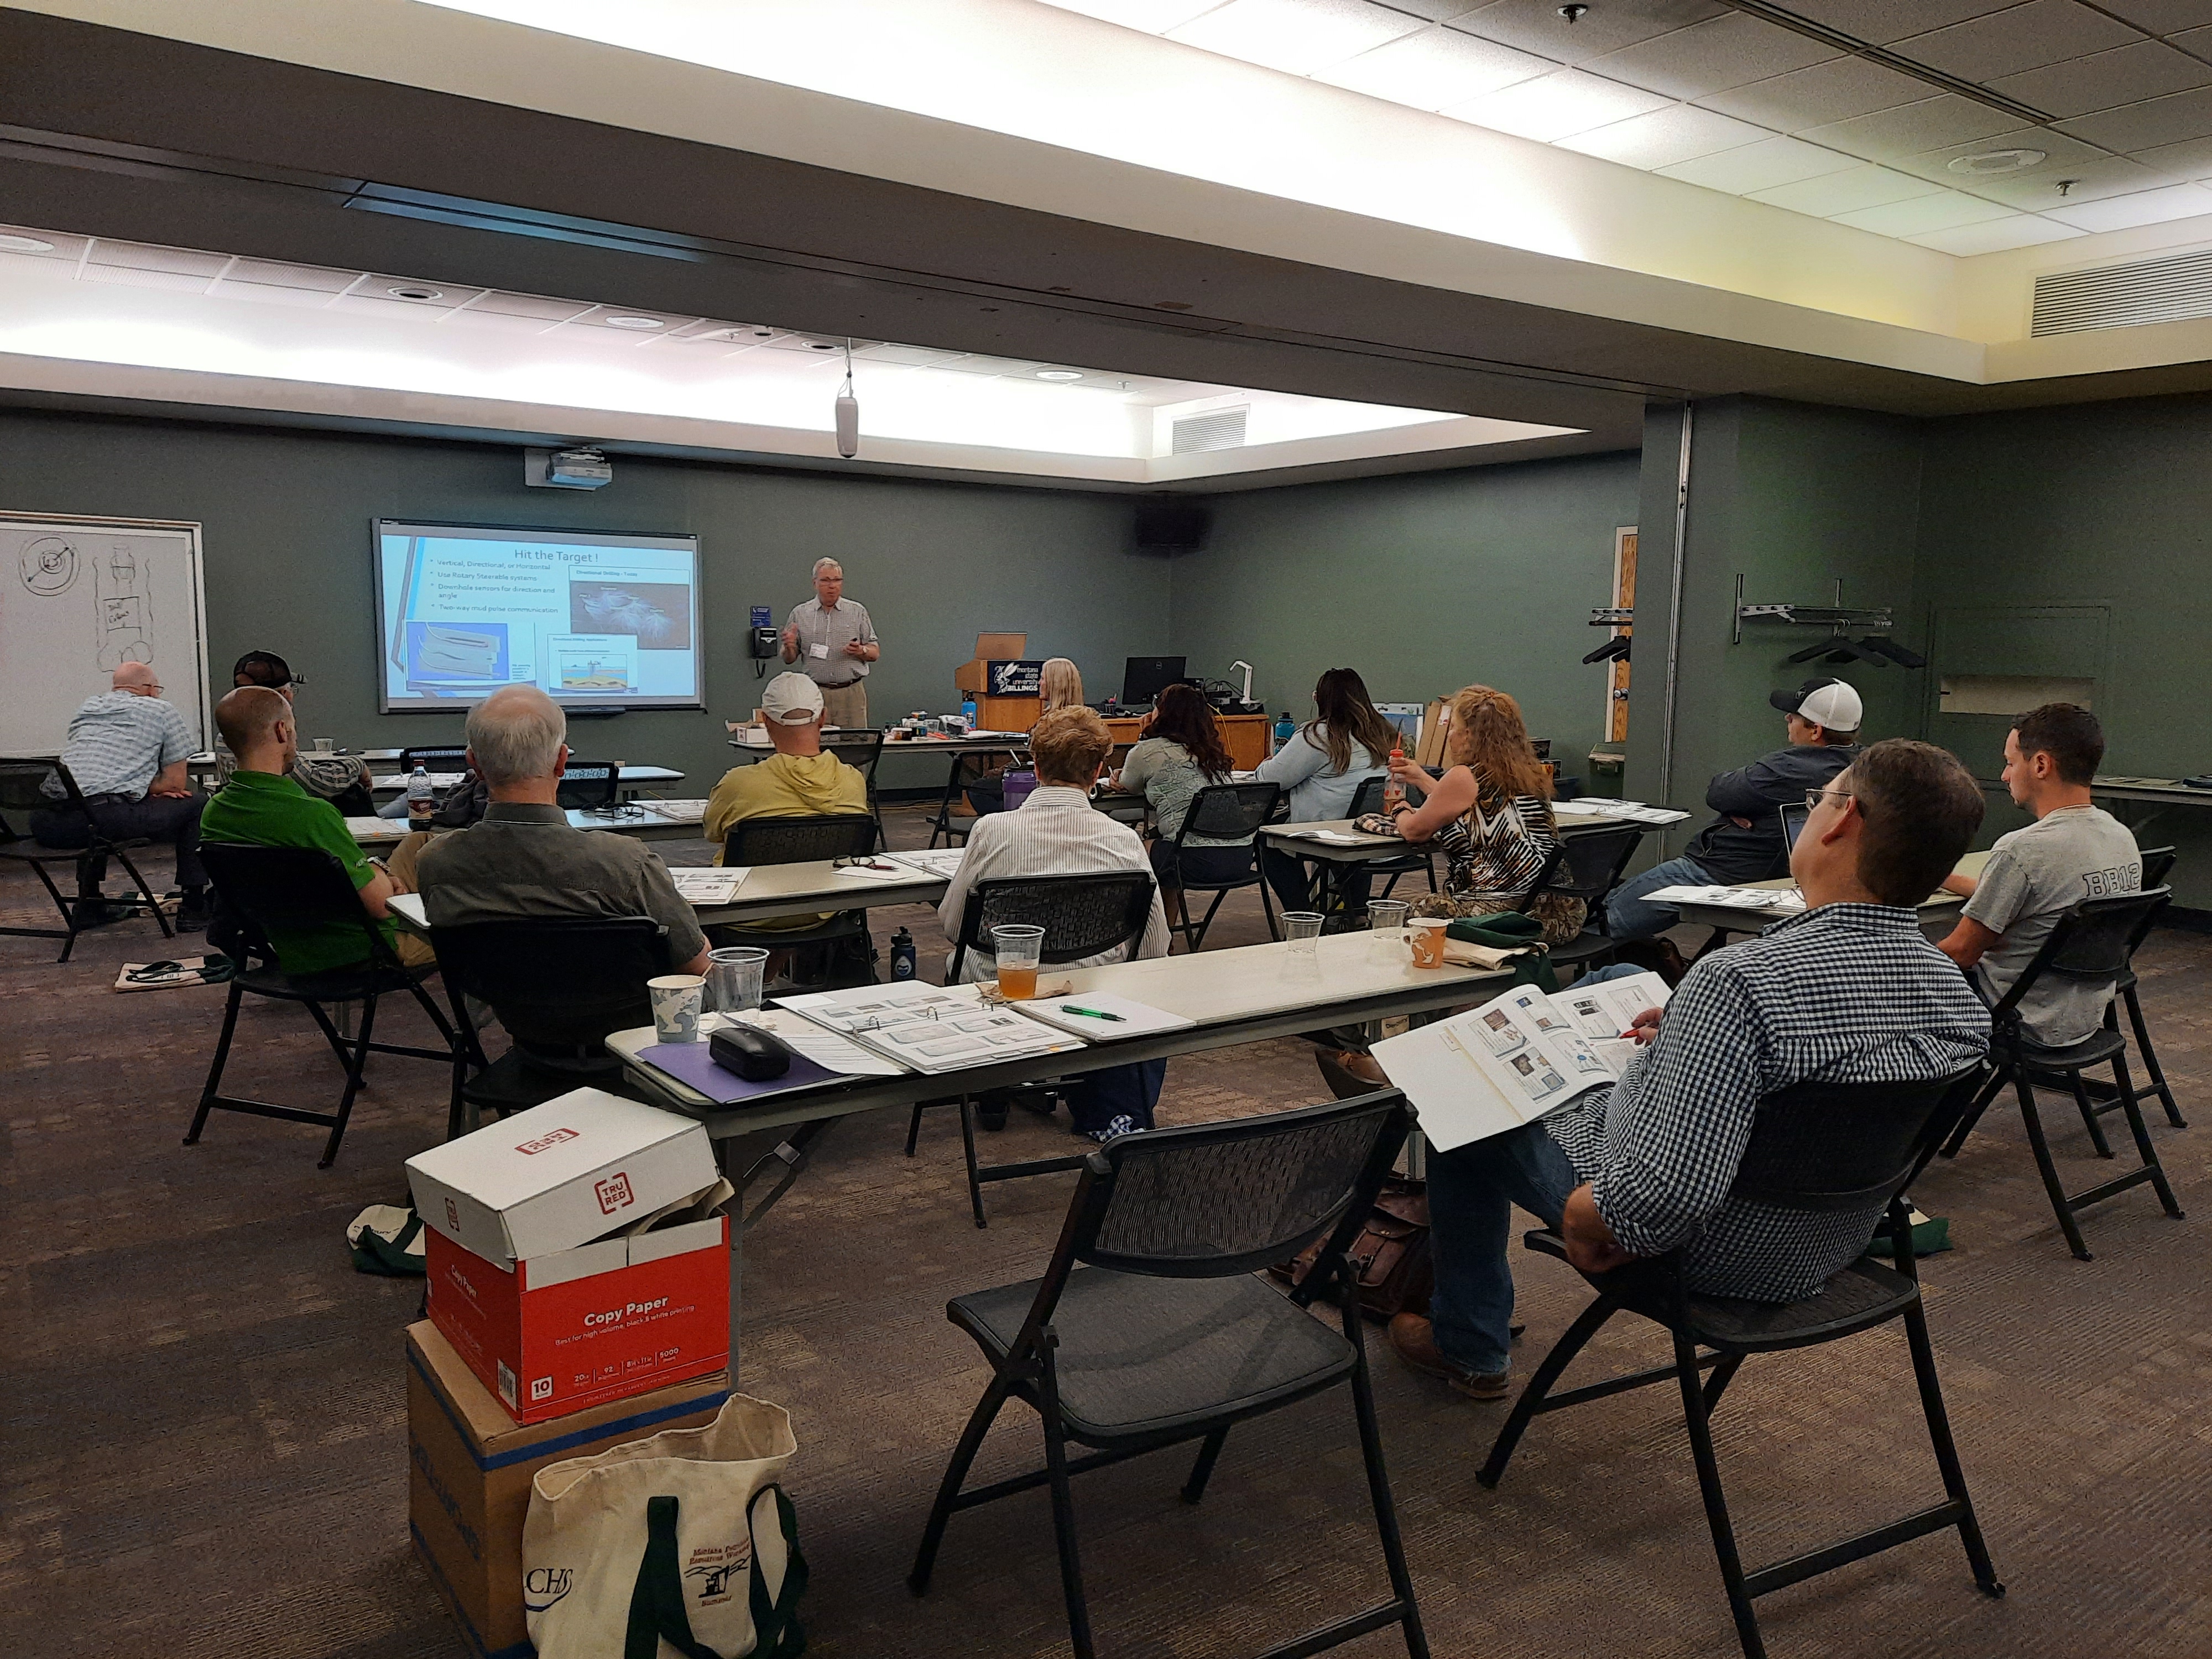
<point x="24" y="245"/>
<point x="1058" y="374"/>
<point x="1999" y="160"/>
<point x="823" y="345"/>
<point x="415" y="291"/>
<point x="638" y="323"/>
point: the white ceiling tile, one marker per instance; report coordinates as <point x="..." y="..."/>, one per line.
<point x="2020" y="37"/>
<point x="538" y="308"/>
<point x="1557" y="106"/>
<point x="1883" y="20"/>
<point x="1435" y="68"/>
<point x="2037" y="191"/>
<point x="1762" y="166"/>
<point x="1152" y="16"/>
<point x="1295" y="36"/>
<point x="2198" y="41"/>
<point x="143" y="256"/>
<point x="1834" y="91"/>
<point x="266" y="294"/>
<point x="269" y="273"/>
<point x="69" y="249"/>
<point x="2148" y="207"/>
<point x="2061" y="153"/>
<point x="2162" y="16"/>
<point x="2190" y="160"/>
<point x="1536" y="26"/>
<point x="1723" y="52"/>
<point x="604" y="317"/>
<point x="908" y="356"/>
<point x="1846" y="193"/>
<point x="137" y="277"/>
<point x="1910" y="129"/>
<point x="1946" y="210"/>
<point x="1665" y="137"/>
<point x="2132" y="127"/>
<point x="2128" y="75"/>
<point x="1997" y="236"/>
<point x="1437" y="11"/>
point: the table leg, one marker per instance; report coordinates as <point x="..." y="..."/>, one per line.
<point x="779" y="1164"/>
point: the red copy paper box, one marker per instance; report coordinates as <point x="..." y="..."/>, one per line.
<point x="555" y="1333"/>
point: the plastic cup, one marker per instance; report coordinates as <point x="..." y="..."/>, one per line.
<point x="1017" y="947"/>
<point x="1386" y="926"/>
<point x="1302" y="930"/>
<point x="326" y="745"/>
<point x="676" y="999"/>
<point x="1426" y="934"/>
<point x="733" y="978"/>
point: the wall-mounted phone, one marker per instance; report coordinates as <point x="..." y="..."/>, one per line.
<point x="767" y="642"/>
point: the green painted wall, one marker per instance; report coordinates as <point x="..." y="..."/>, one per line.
<point x="1423" y="582"/>
<point x="287" y="561"/>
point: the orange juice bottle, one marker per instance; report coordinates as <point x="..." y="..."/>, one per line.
<point x="1394" y="792"/>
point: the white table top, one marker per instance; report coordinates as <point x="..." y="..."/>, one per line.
<point x="2170" y="791"/>
<point x="1932" y="908"/>
<point x="1295" y="838"/>
<point x="630" y="774"/>
<point x="654" y="820"/>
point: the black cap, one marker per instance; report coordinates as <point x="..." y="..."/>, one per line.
<point x="263" y="668"/>
<point x="1831" y="704"/>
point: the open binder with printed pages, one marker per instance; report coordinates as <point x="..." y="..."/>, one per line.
<point x="1516" y="1057"/>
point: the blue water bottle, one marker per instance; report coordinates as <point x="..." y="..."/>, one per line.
<point x="968" y="712"/>
<point x="901" y="955"/>
<point x="1286" y="729"/>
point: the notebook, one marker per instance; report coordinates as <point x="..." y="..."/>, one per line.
<point x="1133" y="1019"/>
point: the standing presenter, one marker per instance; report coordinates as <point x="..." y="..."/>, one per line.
<point x="832" y="642"/>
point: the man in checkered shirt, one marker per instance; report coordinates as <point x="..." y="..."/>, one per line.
<point x="1850" y="992"/>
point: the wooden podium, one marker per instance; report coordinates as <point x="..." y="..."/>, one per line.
<point x="1007" y="713"/>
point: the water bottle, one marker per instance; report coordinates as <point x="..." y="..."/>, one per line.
<point x="902" y="954"/>
<point x="1286" y="729"/>
<point x="968" y="712"/>
<point x="421" y="799"/>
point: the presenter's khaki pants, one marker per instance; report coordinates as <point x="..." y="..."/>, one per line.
<point x="847" y="706"/>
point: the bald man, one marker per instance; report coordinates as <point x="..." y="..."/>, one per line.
<point x="262" y="805"/>
<point x="126" y="749"/>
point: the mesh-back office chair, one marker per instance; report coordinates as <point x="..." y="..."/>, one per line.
<point x="1150" y="1329"/>
<point x="22" y="792"/>
<point x="588" y="787"/>
<point x="1815" y="1149"/>
<point x="1082" y="916"/>
<point x="2090" y="945"/>
<point x="2157" y="866"/>
<point x="274" y="890"/>
<point x="558" y="986"/>
<point x="1226" y="812"/>
<point x="1589" y="868"/>
<point x="847" y="955"/>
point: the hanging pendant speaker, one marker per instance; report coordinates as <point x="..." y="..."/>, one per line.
<point x="848" y="412"/>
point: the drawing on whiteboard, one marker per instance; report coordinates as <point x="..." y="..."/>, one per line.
<point x="126" y="609"/>
<point x="49" y="566"/>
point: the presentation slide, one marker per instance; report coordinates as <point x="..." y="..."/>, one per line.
<point x="602" y="619"/>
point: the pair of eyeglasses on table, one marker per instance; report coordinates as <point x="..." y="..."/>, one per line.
<point x="621" y="808"/>
<point x="857" y="862"/>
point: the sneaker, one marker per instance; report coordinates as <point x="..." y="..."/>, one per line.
<point x="191" y="915"/>
<point x="1415" y="1340"/>
<point x="1123" y="1124"/>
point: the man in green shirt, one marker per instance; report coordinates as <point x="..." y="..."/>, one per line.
<point x="263" y="805"/>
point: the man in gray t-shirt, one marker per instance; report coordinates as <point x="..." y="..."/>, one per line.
<point x="2072" y="852"/>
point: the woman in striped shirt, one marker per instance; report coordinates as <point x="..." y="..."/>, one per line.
<point x="1491" y="813"/>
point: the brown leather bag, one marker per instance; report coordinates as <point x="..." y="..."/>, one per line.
<point x="1390" y="1256"/>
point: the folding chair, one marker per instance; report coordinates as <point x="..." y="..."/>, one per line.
<point x="1082" y="916"/>
<point x="968" y="770"/>
<point x="558" y="986"/>
<point x="2157" y="864"/>
<point x="1588" y="869"/>
<point x="1149" y="1328"/>
<point x="22" y="790"/>
<point x="274" y="890"/>
<point x="1816" y="1149"/>
<point x="803" y="839"/>
<point x="1368" y="798"/>
<point x="1226" y="812"/>
<point x="2091" y="945"/>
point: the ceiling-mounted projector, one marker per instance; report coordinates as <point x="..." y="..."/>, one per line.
<point x="567" y="469"/>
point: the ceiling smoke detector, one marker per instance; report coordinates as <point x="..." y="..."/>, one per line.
<point x="1573" y="14"/>
<point x="415" y="291"/>
<point x="639" y="324"/>
<point x="1998" y="160"/>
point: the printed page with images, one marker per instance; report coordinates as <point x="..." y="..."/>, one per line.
<point x="930" y="1028"/>
<point x="709" y="884"/>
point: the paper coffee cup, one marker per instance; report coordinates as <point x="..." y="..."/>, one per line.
<point x="1426" y="936"/>
<point x="676" y="1001"/>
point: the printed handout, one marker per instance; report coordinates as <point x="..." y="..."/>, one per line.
<point x="930" y="1028"/>
<point x="709" y="884"/>
<point x="1731" y="898"/>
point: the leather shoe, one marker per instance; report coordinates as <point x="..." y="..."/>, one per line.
<point x="1415" y="1340"/>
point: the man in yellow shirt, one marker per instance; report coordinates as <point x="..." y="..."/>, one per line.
<point x="797" y="781"/>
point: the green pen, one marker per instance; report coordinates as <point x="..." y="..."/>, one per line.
<point x="1091" y="1013"/>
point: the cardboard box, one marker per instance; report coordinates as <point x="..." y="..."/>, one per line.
<point x="470" y="1466"/>
<point x="555" y="1333"/>
<point x="560" y="1174"/>
<point x="975" y="678"/>
<point x="1436" y="719"/>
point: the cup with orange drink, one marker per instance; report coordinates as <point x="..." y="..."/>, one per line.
<point x="1017" y="947"/>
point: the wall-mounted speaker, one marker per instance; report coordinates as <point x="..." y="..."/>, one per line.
<point x="1171" y="529"/>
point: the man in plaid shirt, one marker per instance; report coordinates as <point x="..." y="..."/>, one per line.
<point x="1850" y="992"/>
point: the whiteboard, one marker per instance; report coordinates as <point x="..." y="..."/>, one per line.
<point x="78" y="597"/>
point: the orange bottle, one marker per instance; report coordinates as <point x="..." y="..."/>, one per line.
<point x="1394" y="792"/>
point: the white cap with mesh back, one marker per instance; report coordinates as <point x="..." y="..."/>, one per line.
<point x="1829" y="704"/>
<point x="792" y="700"/>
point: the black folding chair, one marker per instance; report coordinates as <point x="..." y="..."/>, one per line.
<point x="588" y="787"/>
<point x="1589" y="868"/>
<point x="2157" y="864"/>
<point x="1150" y="1329"/>
<point x="1816" y="1149"/>
<point x="1226" y="812"/>
<point x="804" y="840"/>
<point x="22" y="792"/>
<point x="275" y="891"/>
<point x="862" y="751"/>
<point x="2090" y="945"/>
<point x="1368" y="798"/>
<point x="1082" y="916"/>
<point x="969" y="769"/>
<point x="558" y="986"/>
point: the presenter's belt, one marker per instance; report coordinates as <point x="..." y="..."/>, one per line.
<point x="840" y="685"/>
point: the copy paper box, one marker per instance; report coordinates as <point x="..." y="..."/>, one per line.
<point x="551" y="1334"/>
<point x="560" y="1174"/>
<point x="470" y="1467"/>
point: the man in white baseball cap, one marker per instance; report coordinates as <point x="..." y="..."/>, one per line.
<point x="1745" y="842"/>
<point x="797" y="781"/>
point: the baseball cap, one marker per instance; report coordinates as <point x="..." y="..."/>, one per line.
<point x="1829" y="704"/>
<point x="792" y="700"/>
<point x="265" y="668"/>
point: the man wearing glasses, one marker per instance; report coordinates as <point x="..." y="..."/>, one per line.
<point x="1745" y="842"/>
<point x="126" y="749"/>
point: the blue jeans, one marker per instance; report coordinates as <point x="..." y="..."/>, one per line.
<point x="1626" y="914"/>
<point x="1472" y="1193"/>
<point x="1097" y="1098"/>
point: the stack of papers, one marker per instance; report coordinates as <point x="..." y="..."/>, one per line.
<point x="1634" y="810"/>
<point x="674" y="812"/>
<point x="942" y="862"/>
<point x="826" y="1048"/>
<point x="1732" y="898"/>
<point x="1102" y="1017"/>
<point x="711" y="885"/>
<point x="930" y="1028"/>
<point x="1334" y="837"/>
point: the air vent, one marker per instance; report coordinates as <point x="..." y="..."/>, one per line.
<point x="1219" y="429"/>
<point x="2168" y="290"/>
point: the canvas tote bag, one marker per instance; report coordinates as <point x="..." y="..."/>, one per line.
<point x="680" y="1546"/>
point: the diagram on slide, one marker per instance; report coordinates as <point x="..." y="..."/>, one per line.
<point x="126" y="607"/>
<point x="49" y="567"/>
<point x="658" y="614"/>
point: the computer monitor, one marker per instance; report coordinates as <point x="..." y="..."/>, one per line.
<point x="1144" y="678"/>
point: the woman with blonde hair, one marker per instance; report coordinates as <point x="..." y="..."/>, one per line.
<point x="1061" y="683"/>
<point x="1491" y="815"/>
